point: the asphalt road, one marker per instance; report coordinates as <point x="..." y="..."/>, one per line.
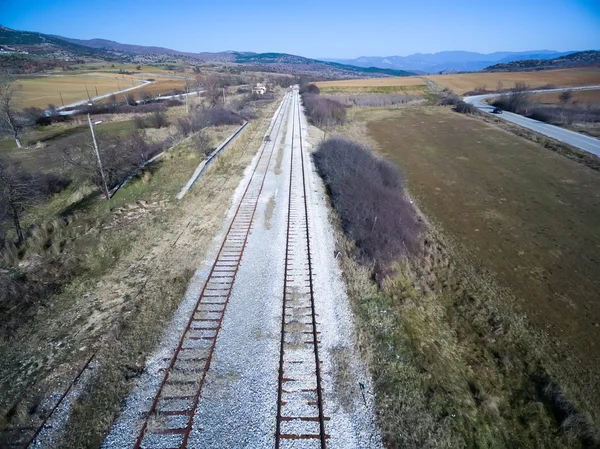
<point x="583" y="142"/>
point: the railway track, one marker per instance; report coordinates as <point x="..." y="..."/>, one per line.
<point x="169" y="421"/>
<point x="300" y="419"/>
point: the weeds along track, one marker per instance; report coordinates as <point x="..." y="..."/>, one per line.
<point x="169" y="421"/>
<point x="300" y="418"/>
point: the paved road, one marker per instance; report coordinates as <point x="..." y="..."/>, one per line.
<point x="583" y="142"/>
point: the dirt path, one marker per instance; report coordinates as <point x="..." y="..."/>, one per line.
<point x="236" y="402"/>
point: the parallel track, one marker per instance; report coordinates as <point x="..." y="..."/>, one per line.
<point x="169" y="421"/>
<point x="300" y="417"/>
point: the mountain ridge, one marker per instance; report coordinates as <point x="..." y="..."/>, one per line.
<point x="448" y="60"/>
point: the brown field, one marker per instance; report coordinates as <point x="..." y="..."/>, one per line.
<point x="403" y="84"/>
<point x="461" y="83"/>
<point x="527" y="215"/>
<point x="43" y="90"/>
<point x="161" y="86"/>
<point x="579" y="96"/>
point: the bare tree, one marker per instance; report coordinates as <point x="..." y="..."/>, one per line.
<point x="212" y="89"/>
<point x="518" y="97"/>
<point x="9" y="120"/>
<point x="499" y="86"/>
<point x="565" y="97"/>
<point x="17" y="193"/>
<point x="202" y="142"/>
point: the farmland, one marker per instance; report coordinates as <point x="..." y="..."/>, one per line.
<point x="399" y="85"/>
<point x="583" y="97"/>
<point x="526" y="214"/>
<point x="461" y="83"/>
<point x="43" y="90"/>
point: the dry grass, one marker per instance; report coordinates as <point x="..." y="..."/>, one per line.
<point x="503" y="297"/>
<point x="461" y="83"/>
<point x="579" y="96"/>
<point x="398" y="85"/>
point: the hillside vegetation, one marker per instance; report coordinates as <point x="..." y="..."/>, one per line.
<point x="579" y="59"/>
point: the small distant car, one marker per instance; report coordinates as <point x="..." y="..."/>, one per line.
<point x="496" y="111"/>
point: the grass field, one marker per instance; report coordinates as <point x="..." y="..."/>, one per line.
<point x="579" y="96"/>
<point x="462" y="83"/>
<point x="43" y="90"/>
<point x="400" y="85"/>
<point x="526" y="214"/>
<point x="488" y="338"/>
<point x="161" y="86"/>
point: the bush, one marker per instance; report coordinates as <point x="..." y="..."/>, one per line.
<point x="374" y="100"/>
<point x="203" y="118"/>
<point x="323" y="111"/>
<point x="310" y="89"/>
<point x="158" y="119"/>
<point x="449" y="100"/>
<point x="368" y="195"/>
<point x="139" y="122"/>
<point x="466" y="108"/>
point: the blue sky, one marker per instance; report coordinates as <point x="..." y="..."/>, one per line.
<point x="336" y="29"/>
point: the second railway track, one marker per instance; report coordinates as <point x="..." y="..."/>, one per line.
<point x="300" y="418"/>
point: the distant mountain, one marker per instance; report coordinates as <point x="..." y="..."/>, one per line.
<point x="284" y="59"/>
<point x="460" y="61"/>
<point x="112" y="46"/>
<point x="42" y="43"/>
<point x="578" y="59"/>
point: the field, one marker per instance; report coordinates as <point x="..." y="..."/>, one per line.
<point x="496" y="322"/>
<point x="161" y="86"/>
<point x="399" y="85"/>
<point x="524" y="213"/>
<point x="43" y="90"/>
<point x="466" y="82"/>
<point x="581" y="97"/>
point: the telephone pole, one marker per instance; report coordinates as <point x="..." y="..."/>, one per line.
<point x="106" y="194"/>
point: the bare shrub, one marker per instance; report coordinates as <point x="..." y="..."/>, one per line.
<point x="449" y="100"/>
<point x="158" y="119"/>
<point x="202" y="143"/>
<point x="323" y="111"/>
<point x="373" y="100"/>
<point x="119" y="154"/>
<point x="466" y="108"/>
<point x="368" y="194"/>
<point x="205" y="117"/>
<point x="139" y="122"/>
<point x="516" y="100"/>
<point x="11" y="123"/>
<point x="310" y="89"/>
<point x="18" y="191"/>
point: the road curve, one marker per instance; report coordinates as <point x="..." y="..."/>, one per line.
<point x="581" y="141"/>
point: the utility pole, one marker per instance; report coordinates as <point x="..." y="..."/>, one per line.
<point x="96" y="86"/>
<point x="187" y="94"/>
<point x="106" y="194"/>
<point x="88" y="92"/>
<point x="61" y="99"/>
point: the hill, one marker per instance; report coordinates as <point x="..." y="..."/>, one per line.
<point x="58" y="50"/>
<point x="461" y="61"/>
<point x="283" y="60"/>
<point x="578" y="59"/>
<point x="117" y="47"/>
